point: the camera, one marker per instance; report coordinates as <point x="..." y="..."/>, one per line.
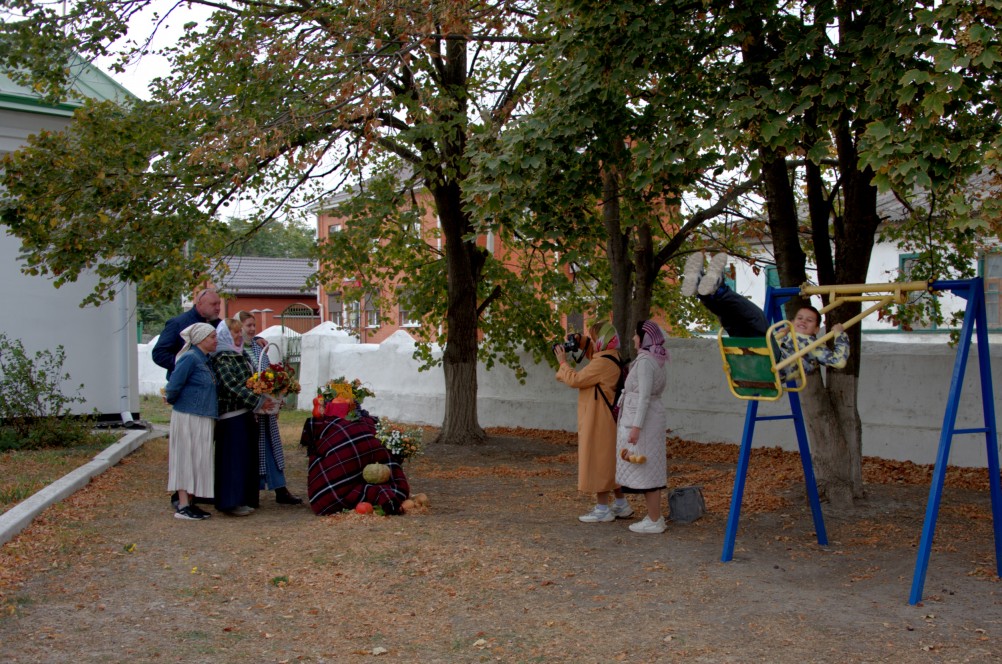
<point x="571" y="346"/>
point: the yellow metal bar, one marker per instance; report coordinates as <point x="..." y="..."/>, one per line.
<point x="859" y="289"/>
<point x="832" y="334"/>
<point x="836" y="303"/>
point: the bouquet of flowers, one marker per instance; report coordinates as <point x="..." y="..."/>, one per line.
<point x="343" y="398"/>
<point x="401" y="442"/>
<point x="276" y="380"/>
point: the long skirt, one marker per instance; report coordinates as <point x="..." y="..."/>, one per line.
<point x="190" y="459"/>
<point x="236" y="462"/>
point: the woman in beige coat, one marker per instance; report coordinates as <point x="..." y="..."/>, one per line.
<point x="596" y="427"/>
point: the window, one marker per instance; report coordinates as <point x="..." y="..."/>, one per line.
<point x="907" y="264"/>
<point x="406" y="319"/>
<point x="371" y="313"/>
<point x="771" y="276"/>
<point x="575" y="322"/>
<point x="335" y="308"/>
<point x="352" y="316"/>
<point x="335" y="228"/>
<point x="730" y="277"/>
<point x="991" y="270"/>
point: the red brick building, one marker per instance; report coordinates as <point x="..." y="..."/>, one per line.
<point x="273" y="289"/>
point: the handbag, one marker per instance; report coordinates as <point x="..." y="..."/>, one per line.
<point x="686" y="504"/>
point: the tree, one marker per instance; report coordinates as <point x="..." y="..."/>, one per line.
<point x="278" y="103"/>
<point x="875" y="95"/>
<point x="830" y="102"/>
<point x="273" y="239"/>
<point x="612" y="156"/>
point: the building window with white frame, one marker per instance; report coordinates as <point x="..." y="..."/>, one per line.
<point x="371" y="314"/>
<point x="352" y="315"/>
<point x="991" y="270"/>
<point x="907" y="264"/>
<point x="335" y="308"/>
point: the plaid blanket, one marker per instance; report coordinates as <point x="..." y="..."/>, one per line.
<point x="338" y="452"/>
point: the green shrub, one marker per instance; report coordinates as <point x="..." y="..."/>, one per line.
<point x="33" y="407"/>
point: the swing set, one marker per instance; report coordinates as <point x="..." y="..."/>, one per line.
<point x="756" y="372"/>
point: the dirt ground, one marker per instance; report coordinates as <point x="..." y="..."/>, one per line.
<point x="500" y="570"/>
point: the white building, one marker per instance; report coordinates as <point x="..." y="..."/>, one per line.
<point x="100" y="342"/>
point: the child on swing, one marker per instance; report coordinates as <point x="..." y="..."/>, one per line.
<point x="740" y="317"/>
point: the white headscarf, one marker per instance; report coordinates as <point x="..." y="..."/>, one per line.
<point x="224" y="339"/>
<point x="193" y="335"/>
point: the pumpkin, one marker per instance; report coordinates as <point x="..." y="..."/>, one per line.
<point x="408" y="506"/>
<point x="376" y="473"/>
<point x="421" y="500"/>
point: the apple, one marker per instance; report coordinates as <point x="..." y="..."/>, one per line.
<point x="364" y="508"/>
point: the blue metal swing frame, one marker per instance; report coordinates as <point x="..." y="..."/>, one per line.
<point x="975" y="321"/>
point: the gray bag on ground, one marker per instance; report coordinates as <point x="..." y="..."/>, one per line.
<point x="686" y="504"/>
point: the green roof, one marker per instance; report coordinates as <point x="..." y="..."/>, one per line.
<point x="87" y="82"/>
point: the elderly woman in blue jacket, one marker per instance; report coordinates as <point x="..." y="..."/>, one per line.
<point x="191" y="390"/>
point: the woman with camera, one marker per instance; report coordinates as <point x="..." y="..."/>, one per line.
<point x="641" y="461"/>
<point x="596" y="385"/>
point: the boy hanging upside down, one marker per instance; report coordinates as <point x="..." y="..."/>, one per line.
<point x="740" y="317"/>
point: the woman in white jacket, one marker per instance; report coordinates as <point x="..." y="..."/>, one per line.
<point x="641" y="460"/>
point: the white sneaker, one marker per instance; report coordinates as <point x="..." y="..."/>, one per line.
<point x="691" y="273"/>
<point x="714" y="275"/>
<point x="624" y="512"/>
<point x="649" y="527"/>
<point x="597" y="516"/>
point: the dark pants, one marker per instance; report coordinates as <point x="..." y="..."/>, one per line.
<point x="236" y="462"/>
<point x="738" y="315"/>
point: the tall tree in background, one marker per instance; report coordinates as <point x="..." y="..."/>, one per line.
<point x="274" y="103"/>
<point x="272" y="239"/>
<point x="620" y="152"/>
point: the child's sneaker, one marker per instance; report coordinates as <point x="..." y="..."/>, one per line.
<point x="714" y="276"/>
<point x="691" y="273"/>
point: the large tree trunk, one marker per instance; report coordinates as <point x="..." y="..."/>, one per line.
<point x="617" y="249"/>
<point x="464" y="260"/>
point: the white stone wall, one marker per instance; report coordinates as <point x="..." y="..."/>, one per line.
<point x="903" y="388"/>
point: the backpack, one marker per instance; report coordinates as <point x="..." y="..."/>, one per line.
<point x="620" y="383"/>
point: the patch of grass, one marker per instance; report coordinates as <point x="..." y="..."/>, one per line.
<point x="17" y="493"/>
<point x="25" y="471"/>
<point x="154" y="409"/>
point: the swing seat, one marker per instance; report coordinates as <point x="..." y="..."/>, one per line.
<point x="750" y="366"/>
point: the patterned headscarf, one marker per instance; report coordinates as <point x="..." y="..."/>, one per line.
<point x="193" y="335"/>
<point x="224" y="339"/>
<point x="608" y="338"/>
<point x="652" y="342"/>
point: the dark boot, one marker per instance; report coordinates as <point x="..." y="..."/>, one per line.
<point x="284" y="497"/>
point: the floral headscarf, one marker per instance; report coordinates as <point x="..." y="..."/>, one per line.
<point x="652" y="342"/>
<point x="193" y="335"/>
<point x="608" y="338"/>
<point x="224" y="339"/>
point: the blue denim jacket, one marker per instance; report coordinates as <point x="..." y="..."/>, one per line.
<point x="191" y="388"/>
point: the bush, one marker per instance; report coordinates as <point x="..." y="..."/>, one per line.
<point x="33" y="408"/>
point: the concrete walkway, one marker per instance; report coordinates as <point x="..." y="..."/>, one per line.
<point x="21" y="515"/>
